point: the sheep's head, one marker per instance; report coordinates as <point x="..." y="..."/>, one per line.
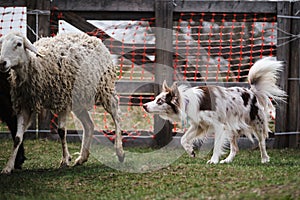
<point x="13" y="51"/>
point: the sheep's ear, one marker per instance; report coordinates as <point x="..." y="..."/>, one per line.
<point x="28" y="45"/>
<point x="1" y="39"/>
<point x="165" y="87"/>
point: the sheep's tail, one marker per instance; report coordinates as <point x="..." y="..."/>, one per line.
<point x="263" y="76"/>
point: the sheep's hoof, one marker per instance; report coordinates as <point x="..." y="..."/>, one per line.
<point x="65" y="162"/>
<point x="19" y="161"/>
<point x="121" y="155"/>
<point x="63" y="165"/>
<point x="6" y="171"/>
<point x="18" y="166"/>
<point x="80" y="160"/>
<point x="121" y="158"/>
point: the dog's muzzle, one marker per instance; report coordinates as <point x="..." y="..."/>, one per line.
<point x="145" y="107"/>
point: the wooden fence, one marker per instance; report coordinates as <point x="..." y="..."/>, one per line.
<point x="165" y="12"/>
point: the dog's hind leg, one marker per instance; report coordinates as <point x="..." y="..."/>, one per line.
<point x="233" y="149"/>
<point x="220" y="139"/>
<point x="260" y="125"/>
<point x="262" y="135"/>
<point x="264" y="155"/>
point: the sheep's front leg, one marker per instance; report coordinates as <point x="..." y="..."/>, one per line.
<point x="12" y="126"/>
<point x="66" y="157"/>
<point x="24" y="120"/>
<point x="118" y="141"/>
<point x="111" y="106"/>
<point x="114" y="111"/>
<point x="88" y="129"/>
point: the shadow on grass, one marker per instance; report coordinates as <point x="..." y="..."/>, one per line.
<point x="59" y="172"/>
<point x="54" y="182"/>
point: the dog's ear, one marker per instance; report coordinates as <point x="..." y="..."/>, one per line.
<point x="175" y="94"/>
<point x="174" y="89"/>
<point x="165" y="87"/>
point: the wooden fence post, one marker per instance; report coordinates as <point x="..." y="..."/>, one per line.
<point x="293" y="118"/>
<point x="164" y="62"/>
<point x="38" y="17"/>
<point x="287" y="115"/>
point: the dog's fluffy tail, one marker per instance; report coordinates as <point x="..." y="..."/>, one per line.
<point x="263" y="76"/>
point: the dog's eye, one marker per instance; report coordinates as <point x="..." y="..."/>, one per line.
<point x="19" y="44"/>
<point x="160" y="101"/>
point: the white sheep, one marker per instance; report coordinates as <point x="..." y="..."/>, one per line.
<point x="69" y="72"/>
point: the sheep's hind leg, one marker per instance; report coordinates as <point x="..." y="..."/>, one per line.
<point x="24" y="120"/>
<point x="113" y="108"/>
<point x="66" y="157"/>
<point x="88" y="129"/>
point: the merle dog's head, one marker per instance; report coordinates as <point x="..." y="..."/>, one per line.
<point x="166" y="104"/>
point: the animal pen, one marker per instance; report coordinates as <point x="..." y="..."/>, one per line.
<point x="192" y="42"/>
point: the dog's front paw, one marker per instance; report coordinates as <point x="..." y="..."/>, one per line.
<point x="211" y="161"/>
<point x="190" y="152"/>
<point x="226" y="161"/>
<point x="193" y="154"/>
<point x="265" y="160"/>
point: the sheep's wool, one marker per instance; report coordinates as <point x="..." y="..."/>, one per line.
<point x="77" y="71"/>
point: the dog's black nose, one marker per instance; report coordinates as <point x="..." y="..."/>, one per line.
<point x="145" y="107"/>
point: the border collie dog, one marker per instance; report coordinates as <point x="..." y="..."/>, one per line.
<point x="226" y="112"/>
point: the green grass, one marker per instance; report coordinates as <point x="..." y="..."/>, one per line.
<point x="3" y="127"/>
<point x="186" y="178"/>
